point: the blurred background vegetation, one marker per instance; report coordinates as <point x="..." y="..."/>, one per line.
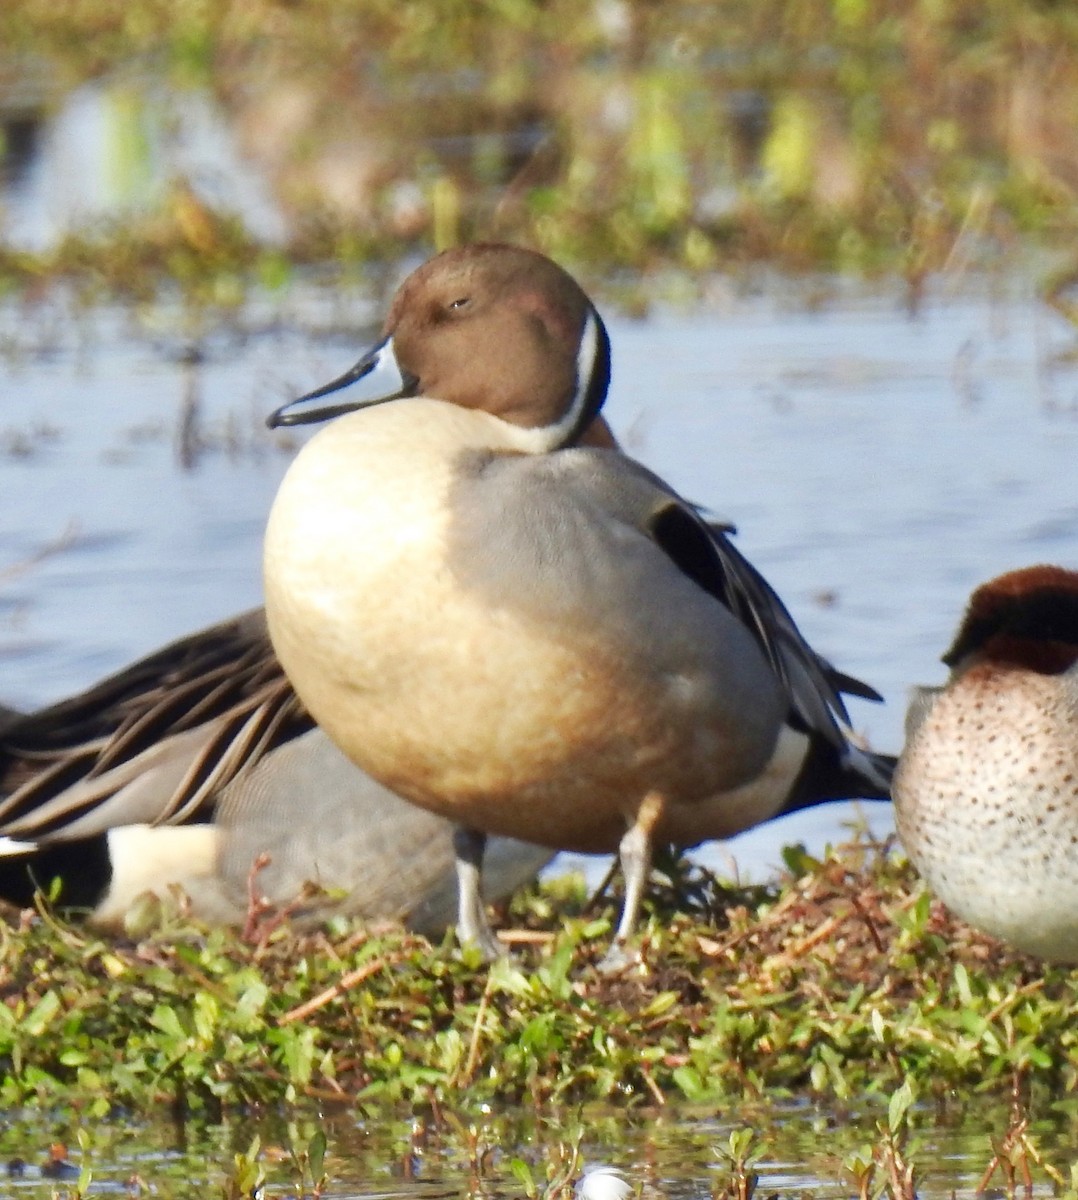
<point x="901" y="137"/>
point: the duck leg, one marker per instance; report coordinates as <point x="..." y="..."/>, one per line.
<point x="473" y="929"/>
<point x="634" y="853"/>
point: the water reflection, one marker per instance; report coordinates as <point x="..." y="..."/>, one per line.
<point x="686" y="140"/>
<point x="607" y="130"/>
<point x="678" y="1152"/>
<point x="122" y="148"/>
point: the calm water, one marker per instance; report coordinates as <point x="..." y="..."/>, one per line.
<point x="878" y="467"/>
<point x="674" y="1154"/>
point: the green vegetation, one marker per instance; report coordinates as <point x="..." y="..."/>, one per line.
<point x="846" y="983"/>
<point x="899" y="136"/>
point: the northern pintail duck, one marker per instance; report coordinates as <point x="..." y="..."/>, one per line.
<point x="186" y="768"/>
<point x="528" y="636"/>
<point x="986" y="790"/>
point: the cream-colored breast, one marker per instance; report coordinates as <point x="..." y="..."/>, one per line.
<point x="986" y="804"/>
<point x="548" y="732"/>
<point x="359" y="604"/>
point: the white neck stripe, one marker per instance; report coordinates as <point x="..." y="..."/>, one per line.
<point x="550" y="437"/>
